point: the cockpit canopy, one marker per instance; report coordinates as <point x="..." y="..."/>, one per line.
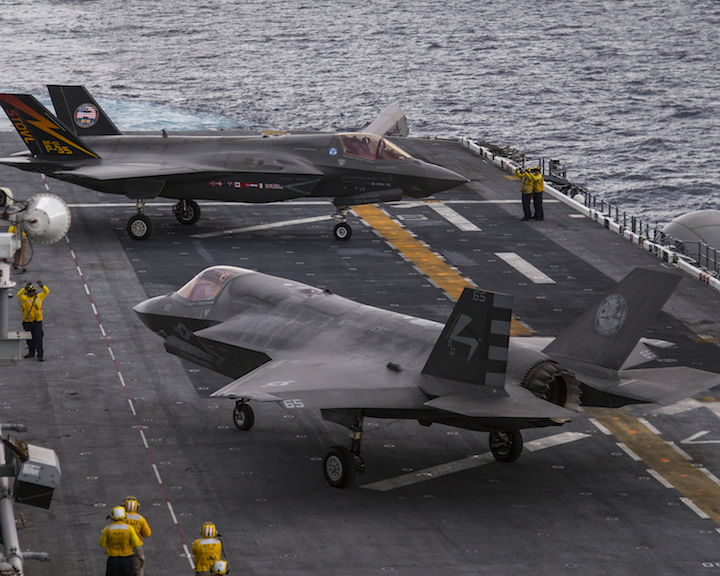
<point x="370" y="147"/>
<point x="206" y="285"/>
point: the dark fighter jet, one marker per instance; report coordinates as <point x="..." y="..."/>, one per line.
<point x="304" y="347"/>
<point x="84" y="147"/>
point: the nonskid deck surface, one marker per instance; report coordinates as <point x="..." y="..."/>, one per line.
<point x="125" y="417"/>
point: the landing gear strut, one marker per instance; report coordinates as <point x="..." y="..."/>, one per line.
<point x="340" y="464"/>
<point x="139" y="227"/>
<point x="506" y="446"/>
<point x="342" y="231"/>
<point x="187" y="211"/>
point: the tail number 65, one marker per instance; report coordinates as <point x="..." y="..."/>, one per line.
<point x="297" y="403"/>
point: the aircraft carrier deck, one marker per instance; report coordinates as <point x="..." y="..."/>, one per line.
<point x="126" y="418"/>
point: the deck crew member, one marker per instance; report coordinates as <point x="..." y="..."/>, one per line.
<point x="206" y="550"/>
<point x="31" y="304"/>
<point x="21" y="252"/>
<point x="526" y="188"/>
<point x="538" y="188"/>
<point x="119" y="539"/>
<point x="141" y="529"/>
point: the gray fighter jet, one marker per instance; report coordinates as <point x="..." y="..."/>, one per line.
<point x="306" y="348"/>
<point x="84" y="147"/>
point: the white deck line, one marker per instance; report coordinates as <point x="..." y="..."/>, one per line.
<point x="525" y="268"/>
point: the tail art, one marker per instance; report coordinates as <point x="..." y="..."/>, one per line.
<point x="43" y="134"/>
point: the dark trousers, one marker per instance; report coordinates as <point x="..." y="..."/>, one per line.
<point x="537" y="204"/>
<point x="36" y="333"/>
<point x="120" y="566"/>
<point x="526" y="205"/>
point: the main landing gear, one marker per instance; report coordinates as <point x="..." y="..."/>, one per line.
<point x="506" y="446"/>
<point x="342" y="231"/>
<point x="243" y="416"/>
<point x="341" y="464"/>
<point x="139" y="226"/>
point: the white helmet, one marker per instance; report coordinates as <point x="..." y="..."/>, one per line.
<point x="220" y="567"/>
<point x="118" y="513"/>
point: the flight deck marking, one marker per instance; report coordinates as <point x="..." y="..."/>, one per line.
<point x="525" y="268"/>
<point x="127" y="395"/>
<point x="468" y="463"/>
<point x="700" y="490"/>
<point x="263" y="226"/>
<point x="453" y="217"/>
<point x="424" y="259"/>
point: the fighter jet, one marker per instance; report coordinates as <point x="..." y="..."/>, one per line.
<point x="84" y="147"/>
<point x="306" y="348"/>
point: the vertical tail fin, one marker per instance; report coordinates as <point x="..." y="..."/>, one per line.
<point x="43" y="134"/>
<point x="606" y="334"/>
<point x="79" y="111"/>
<point x="473" y="347"/>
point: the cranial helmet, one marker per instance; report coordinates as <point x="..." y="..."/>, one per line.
<point x="119" y="513"/>
<point x="220" y="567"/>
<point x="131" y="504"/>
<point x="208" y="530"/>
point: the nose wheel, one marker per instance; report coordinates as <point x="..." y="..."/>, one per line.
<point x="342" y="231"/>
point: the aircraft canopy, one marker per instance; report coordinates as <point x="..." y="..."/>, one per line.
<point x="370" y="147"/>
<point x="206" y="285"/>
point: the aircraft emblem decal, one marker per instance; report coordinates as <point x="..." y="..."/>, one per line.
<point x="462" y="323"/>
<point x="86" y="115"/>
<point x="611" y="315"/>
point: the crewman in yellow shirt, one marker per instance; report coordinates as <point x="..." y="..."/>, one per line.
<point x="119" y="539"/>
<point x="32" y="315"/>
<point x="206" y="550"/>
<point x="141" y="529"/>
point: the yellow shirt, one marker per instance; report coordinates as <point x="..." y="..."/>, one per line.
<point x="538" y="182"/>
<point x="32" y="307"/>
<point x="205" y="551"/>
<point x="139" y="524"/>
<point x="528" y="182"/>
<point x="119" y="539"/>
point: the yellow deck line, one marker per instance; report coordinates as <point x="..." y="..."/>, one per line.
<point x="437" y="270"/>
<point x="662" y="458"/>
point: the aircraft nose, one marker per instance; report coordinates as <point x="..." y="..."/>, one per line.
<point x="144" y="310"/>
<point x="438" y="179"/>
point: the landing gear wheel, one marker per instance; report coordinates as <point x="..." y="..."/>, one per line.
<point x="139" y="227"/>
<point x="243" y="417"/>
<point x="506" y="446"/>
<point x="342" y="231"/>
<point x="187" y="212"/>
<point x="339" y="467"/>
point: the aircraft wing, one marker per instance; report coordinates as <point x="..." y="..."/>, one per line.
<point x="326" y="383"/>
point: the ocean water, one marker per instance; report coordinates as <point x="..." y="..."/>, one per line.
<point x="625" y="93"/>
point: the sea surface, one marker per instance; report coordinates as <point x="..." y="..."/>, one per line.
<point x="625" y="93"/>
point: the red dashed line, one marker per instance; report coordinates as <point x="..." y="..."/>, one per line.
<point x="130" y="402"/>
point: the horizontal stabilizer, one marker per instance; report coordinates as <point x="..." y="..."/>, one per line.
<point x="659" y="385"/>
<point x="473" y="346"/>
<point x="529" y="407"/>
<point x="608" y="332"/>
<point x="43" y="134"/>
<point x="79" y="111"/>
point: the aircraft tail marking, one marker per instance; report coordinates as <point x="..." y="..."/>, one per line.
<point x="79" y="111"/>
<point x="43" y="134"/>
<point x="473" y="346"/>
<point x="607" y="333"/>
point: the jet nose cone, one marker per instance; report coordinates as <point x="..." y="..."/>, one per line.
<point x="438" y="179"/>
<point x="144" y="310"/>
